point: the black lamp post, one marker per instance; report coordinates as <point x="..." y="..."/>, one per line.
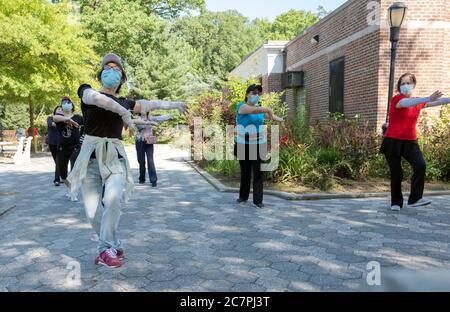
<point x="396" y="12"/>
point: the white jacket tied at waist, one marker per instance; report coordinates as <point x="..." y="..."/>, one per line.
<point x="108" y="162"/>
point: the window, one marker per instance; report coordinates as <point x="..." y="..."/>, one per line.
<point x="301" y="112"/>
<point x="337" y="86"/>
<point x="300" y="98"/>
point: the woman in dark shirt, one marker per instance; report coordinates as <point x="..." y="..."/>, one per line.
<point x="102" y="170"/>
<point x="68" y="125"/>
<point x="53" y="141"/>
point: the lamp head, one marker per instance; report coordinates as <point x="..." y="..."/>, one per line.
<point x="396" y="14"/>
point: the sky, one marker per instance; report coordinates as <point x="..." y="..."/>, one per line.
<point x="270" y="8"/>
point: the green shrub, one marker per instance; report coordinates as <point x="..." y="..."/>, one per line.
<point x="313" y="155"/>
<point x="321" y="178"/>
<point x="295" y="162"/>
<point x="434" y="141"/>
<point x="329" y="157"/>
<point x="353" y="138"/>
<point x="379" y="167"/>
<point x="344" y="170"/>
<point x="300" y="127"/>
<point x="226" y="168"/>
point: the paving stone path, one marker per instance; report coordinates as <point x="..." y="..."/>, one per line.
<point x="185" y="236"/>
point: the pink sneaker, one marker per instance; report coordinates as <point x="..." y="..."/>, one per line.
<point x="108" y="258"/>
<point x="120" y="255"/>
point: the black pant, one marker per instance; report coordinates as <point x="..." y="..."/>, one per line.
<point x="249" y="164"/>
<point x="66" y="154"/>
<point x="143" y="149"/>
<point x="414" y="156"/>
<point x="54" y="151"/>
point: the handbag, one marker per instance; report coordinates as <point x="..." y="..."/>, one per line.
<point x="148" y="137"/>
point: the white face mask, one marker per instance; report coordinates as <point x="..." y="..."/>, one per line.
<point x="407" y="89"/>
<point x="67" y="106"/>
<point x="254" y="99"/>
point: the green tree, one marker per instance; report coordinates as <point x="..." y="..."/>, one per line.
<point x="292" y="23"/>
<point x="288" y="25"/>
<point x="165" y="71"/>
<point x="263" y="27"/>
<point x="322" y="12"/>
<point x="222" y="39"/>
<point x="43" y="55"/>
<point x="122" y="27"/>
<point x="163" y="8"/>
<point x="13" y="116"/>
<point x="159" y="64"/>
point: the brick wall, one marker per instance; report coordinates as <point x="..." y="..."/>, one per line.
<point x="272" y="83"/>
<point x="361" y="63"/>
<point x="339" y="25"/>
<point x="265" y="83"/>
<point x="423" y="50"/>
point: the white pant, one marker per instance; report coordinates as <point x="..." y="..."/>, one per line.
<point x="103" y="212"/>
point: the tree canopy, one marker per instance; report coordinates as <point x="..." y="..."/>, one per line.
<point x="287" y="25"/>
<point x="221" y="39"/>
<point x="172" y="49"/>
<point x="43" y="56"/>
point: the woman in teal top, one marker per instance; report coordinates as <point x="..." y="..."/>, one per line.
<point x="251" y="138"/>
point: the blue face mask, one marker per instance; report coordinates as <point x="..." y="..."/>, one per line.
<point x="111" y="78"/>
<point x="407" y="89"/>
<point x="254" y="99"/>
<point x="67" y="106"/>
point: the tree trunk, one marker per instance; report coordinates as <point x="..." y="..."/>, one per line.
<point x="31" y="108"/>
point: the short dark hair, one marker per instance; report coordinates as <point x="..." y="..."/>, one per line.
<point x="412" y="76"/>
<point x="251" y="88"/>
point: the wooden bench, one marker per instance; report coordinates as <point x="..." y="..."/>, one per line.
<point x="20" y="153"/>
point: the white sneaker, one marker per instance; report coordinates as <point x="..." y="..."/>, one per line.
<point x="72" y="198"/>
<point x="396" y="208"/>
<point x="422" y="202"/>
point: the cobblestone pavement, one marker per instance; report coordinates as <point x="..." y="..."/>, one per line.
<point x="185" y="236"/>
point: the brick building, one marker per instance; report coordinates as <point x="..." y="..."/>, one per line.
<point x="341" y="64"/>
<point x="265" y="64"/>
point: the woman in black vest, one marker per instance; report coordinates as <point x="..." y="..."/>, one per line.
<point x="68" y="125"/>
<point x="53" y="139"/>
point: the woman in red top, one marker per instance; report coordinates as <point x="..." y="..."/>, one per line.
<point x="401" y="140"/>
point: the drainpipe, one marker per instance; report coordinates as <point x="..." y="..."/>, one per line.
<point x="283" y="75"/>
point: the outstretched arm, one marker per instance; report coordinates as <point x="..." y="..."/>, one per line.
<point x="247" y="110"/>
<point x="413" y="102"/>
<point x="161" y="118"/>
<point x="404" y="103"/>
<point x="274" y="117"/>
<point x="140" y="122"/>
<point x="153" y="120"/>
<point x="92" y="97"/>
<point x="144" y="106"/>
<point x="442" y="101"/>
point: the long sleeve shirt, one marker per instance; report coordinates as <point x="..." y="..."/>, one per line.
<point x="155" y="119"/>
